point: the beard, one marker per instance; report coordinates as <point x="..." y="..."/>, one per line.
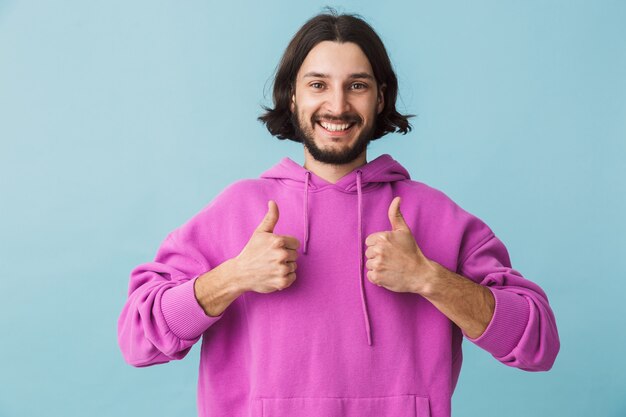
<point x="305" y="133"/>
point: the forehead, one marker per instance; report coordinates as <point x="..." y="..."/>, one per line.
<point x="336" y="60"/>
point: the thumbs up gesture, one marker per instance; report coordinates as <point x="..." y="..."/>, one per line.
<point x="394" y="261"/>
<point x="268" y="261"/>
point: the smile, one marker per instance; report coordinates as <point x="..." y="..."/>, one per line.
<point x="336" y="128"/>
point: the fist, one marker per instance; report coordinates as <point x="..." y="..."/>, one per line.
<point x="394" y="260"/>
<point x="268" y="261"/>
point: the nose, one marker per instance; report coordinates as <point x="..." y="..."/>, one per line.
<point x="337" y="103"/>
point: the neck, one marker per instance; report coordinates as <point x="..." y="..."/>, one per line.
<point x="329" y="172"/>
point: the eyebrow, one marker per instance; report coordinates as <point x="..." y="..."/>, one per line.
<point x="351" y="76"/>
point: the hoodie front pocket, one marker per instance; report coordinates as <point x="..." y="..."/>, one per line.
<point x="394" y="406"/>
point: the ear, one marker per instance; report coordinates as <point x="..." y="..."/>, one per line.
<point x="292" y="92"/>
<point x="381" y="98"/>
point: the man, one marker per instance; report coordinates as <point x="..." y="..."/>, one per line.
<point x="341" y="287"/>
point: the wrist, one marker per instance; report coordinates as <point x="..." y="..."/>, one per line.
<point x="234" y="279"/>
<point x="217" y="289"/>
<point x="429" y="277"/>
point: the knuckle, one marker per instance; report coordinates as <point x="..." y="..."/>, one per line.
<point x="285" y="282"/>
<point x="277" y="241"/>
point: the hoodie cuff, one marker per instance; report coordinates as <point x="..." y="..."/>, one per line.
<point x="507" y="325"/>
<point x="183" y="314"/>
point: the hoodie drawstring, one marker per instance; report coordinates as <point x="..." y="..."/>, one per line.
<point x="306" y="211"/>
<point x="368" y="329"/>
<point x="383" y="170"/>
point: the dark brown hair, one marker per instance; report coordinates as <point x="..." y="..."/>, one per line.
<point x="338" y="28"/>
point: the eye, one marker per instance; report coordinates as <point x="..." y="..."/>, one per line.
<point x="359" y="86"/>
<point x="317" y="85"/>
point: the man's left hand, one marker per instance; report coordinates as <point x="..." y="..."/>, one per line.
<point x="394" y="260"/>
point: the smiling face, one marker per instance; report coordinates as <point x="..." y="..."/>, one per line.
<point x="336" y="102"/>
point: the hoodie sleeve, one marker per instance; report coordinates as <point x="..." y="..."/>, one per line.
<point x="162" y="319"/>
<point x="522" y="332"/>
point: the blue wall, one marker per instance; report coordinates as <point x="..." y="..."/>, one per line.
<point x="120" y="120"/>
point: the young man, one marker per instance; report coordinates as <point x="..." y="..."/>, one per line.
<point x="341" y="287"/>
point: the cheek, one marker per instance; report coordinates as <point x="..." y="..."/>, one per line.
<point x="307" y="103"/>
<point x="304" y="116"/>
<point x="366" y="108"/>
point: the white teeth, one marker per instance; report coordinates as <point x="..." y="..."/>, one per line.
<point x="334" y="127"/>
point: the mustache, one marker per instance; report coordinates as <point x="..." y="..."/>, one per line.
<point x="348" y="118"/>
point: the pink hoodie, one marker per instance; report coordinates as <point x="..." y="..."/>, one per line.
<point x="332" y="344"/>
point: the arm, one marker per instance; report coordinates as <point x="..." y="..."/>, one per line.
<point x="522" y="332"/>
<point x="469" y="305"/>
<point x="175" y="299"/>
<point x="162" y="319"/>
<point x="502" y="312"/>
<point x="494" y="305"/>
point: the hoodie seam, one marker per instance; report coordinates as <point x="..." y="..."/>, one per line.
<point x="202" y="265"/>
<point x="331" y="188"/>
<point x="374" y="173"/>
<point x="475" y="248"/>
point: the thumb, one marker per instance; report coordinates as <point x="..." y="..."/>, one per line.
<point x="395" y="216"/>
<point x="270" y="219"/>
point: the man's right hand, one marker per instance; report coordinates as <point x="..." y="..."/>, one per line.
<point x="268" y="261"/>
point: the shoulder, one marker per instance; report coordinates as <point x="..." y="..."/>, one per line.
<point x="426" y="196"/>
<point x="238" y="204"/>
<point x="436" y="208"/>
<point x="236" y="197"/>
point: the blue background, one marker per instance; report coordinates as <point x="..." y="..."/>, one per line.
<point x="120" y="120"/>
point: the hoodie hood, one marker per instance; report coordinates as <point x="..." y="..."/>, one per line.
<point x="380" y="170"/>
<point x="383" y="169"/>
